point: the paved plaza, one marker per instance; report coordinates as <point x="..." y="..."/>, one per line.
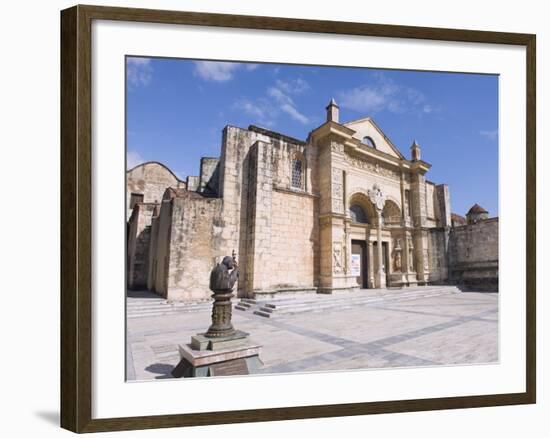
<point x="442" y="329"/>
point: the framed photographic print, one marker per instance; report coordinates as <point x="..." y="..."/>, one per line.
<point x="268" y="218"/>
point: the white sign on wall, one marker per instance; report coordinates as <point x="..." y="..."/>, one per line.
<point x="356" y="265"/>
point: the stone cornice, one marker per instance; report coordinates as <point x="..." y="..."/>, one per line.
<point x="294" y="192"/>
<point x="331" y="128"/>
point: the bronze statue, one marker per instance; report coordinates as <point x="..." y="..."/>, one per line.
<point x="224" y="275"/>
<point x="222" y="279"/>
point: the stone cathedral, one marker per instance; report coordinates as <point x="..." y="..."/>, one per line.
<point x="342" y="210"/>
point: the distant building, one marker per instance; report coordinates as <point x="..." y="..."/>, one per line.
<point x="476" y="214"/>
<point x="457" y="220"/>
<point x="342" y="210"/>
<point x="473" y="249"/>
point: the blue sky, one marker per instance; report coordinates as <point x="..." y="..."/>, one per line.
<point x="177" y="109"/>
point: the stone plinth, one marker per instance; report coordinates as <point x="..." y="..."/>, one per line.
<point x="202" y="342"/>
<point x="231" y="361"/>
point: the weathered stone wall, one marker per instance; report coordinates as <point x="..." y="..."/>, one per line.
<point x="430" y="201"/>
<point x="160" y="249"/>
<point x="139" y="235"/>
<point x="150" y="179"/>
<point x="195" y="246"/>
<point x="252" y="164"/>
<point x="209" y="172"/>
<point x="438" y="241"/>
<point x="258" y="228"/>
<point x="294" y="241"/>
<point x="234" y="177"/>
<point x="193" y="183"/>
<point x="443" y="205"/>
<point x="473" y="255"/>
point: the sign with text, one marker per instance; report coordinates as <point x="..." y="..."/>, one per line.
<point x="356" y="265"/>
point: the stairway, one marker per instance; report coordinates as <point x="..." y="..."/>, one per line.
<point x="148" y="304"/>
<point x="320" y="302"/>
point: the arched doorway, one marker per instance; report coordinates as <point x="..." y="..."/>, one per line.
<point x="362" y="214"/>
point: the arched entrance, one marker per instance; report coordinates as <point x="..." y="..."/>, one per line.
<point x="363" y="216"/>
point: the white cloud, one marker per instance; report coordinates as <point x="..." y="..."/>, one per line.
<point x="139" y="71"/>
<point x="287" y="105"/>
<point x="215" y="71"/>
<point x="294" y="86"/>
<point x="267" y="109"/>
<point x="251" y="67"/>
<point x="490" y="135"/>
<point x="133" y="158"/>
<point x="258" y="109"/>
<point x="383" y="94"/>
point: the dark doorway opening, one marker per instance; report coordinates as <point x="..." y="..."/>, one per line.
<point x="359" y="247"/>
<point x="386" y="258"/>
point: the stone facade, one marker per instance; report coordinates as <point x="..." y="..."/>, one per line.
<point x="340" y="211"/>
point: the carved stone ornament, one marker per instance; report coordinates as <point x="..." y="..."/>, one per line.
<point x="337" y="258"/>
<point x="371" y="167"/>
<point x="377" y="197"/>
<point x="337" y="147"/>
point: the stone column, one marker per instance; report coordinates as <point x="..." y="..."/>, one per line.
<point x="380" y="274"/>
<point x="406" y="263"/>
<point x="371" y="263"/>
<point x="377" y="198"/>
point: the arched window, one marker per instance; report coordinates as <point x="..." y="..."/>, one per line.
<point x="391" y="214"/>
<point x="358" y="215"/>
<point x="369" y="142"/>
<point x="297" y="172"/>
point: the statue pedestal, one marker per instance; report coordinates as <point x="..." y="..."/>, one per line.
<point x="227" y="357"/>
<point x="222" y="350"/>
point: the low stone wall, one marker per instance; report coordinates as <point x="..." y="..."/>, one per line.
<point x="473" y="255"/>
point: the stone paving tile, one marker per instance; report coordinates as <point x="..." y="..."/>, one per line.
<point x="471" y="342"/>
<point x="365" y="324"/>
<point x="447" y="329"/>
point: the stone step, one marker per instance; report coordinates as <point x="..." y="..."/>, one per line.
<point x="246" y="304"/>
<point x="347" y="298"/>
<point x="270" y="310"/>
<point x="243" y="306"/>
<point x="173" y="308"/>
<point x="362" y="292"/>
<point x="150" y="307"/>
<point x="133" y="311"/>
<point x="151" y="304"/>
